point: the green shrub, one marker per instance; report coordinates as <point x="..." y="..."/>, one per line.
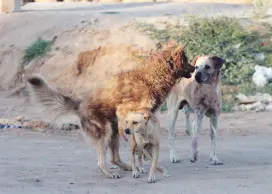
<point x="221" y="36"/>
<point x="37" y="49"/>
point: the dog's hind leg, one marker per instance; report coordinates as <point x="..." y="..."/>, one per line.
<point x="196" y="130"/>
<point x="101" y="149"/>
<point x="163" y="171"/>
<point x="159" y="168"/>
<point x="173" y="108"/>
<point x="114" y="148"/>
<point x="188" y="127"/>
<point x="213" y="131"/>
<point x="115" y="156"/>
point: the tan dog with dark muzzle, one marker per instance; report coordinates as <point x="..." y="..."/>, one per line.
<point x="143" y="127"/>
<point x="199" y="95"/>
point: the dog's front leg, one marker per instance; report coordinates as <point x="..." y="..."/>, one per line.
<point x="140" y="161"/>
<point x="172" y="116"/>
<point x="135" y="173"/>
<point x="154" y="159"/>
<point x="213" y="131"/>
<point x="196" y="130"/>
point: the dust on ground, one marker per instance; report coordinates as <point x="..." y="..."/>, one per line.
<point x="34" y="162"/>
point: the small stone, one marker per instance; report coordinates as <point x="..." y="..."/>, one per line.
<point x="37" y="180"/>
<point x="19" y="118"/>
<point x="269" y="107"/>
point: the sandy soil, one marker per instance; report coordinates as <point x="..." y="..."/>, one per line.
<point x="34" y="162"/>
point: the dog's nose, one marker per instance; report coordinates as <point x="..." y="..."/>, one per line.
<point x="198" y="77"/>
<point x="127" y="131"/>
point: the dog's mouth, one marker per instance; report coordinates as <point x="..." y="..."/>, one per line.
<point x="200" y="78"/>
<point x="124" y="137"/>
<point x="187" y="71"/>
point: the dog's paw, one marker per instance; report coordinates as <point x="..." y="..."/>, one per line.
<point x="135" y="174"/>
<point x="188" y="132"/>
<point x="127" y="167"/>
<point x="113" y="167"/>
<point x="151" y="179"/>
<point x="215" y="161"/>
<point x="166" y="174"/>
<point x="193" y="157"/>
<point x="174" y="158"/>
<point x="114" y="176"/>
<point x="142" y="170"/>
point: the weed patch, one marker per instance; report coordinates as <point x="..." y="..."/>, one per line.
<point x="37" y="49"/>
<point x="221" y="36"/>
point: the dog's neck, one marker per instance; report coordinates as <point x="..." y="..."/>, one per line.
<point x="160" y="80"/>
<point x="141" y="139"/>
<point x="217" y="82"/>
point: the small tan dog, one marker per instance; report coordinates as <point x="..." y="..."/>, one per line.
<point x="200" y="95"/>
<point x="143" y="127"/>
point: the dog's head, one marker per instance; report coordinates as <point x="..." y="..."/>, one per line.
<point x="207" y="68"/>
<point x="178" y="63"/>
<point x="136" y="122"/>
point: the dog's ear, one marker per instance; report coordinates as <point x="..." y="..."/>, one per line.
<point x="178" y="50"/>
<point x="147" y="115"/>
<point x="170" y="43"/>
<point x="218" y="62"/>
<point x="194" y="61"/>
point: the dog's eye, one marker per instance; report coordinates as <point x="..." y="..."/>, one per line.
<point x="134" y="122"/>
<point x="207" y="67"/>
<point x="171" y="63"/>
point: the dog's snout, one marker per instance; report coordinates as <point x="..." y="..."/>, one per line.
<point x="198" y="74"/>
<point x="198" y="77"/>
<point x="191" y="68"/>
<point x="127" y="131"/>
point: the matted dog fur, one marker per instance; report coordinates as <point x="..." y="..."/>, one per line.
<point x="100" y="114"/>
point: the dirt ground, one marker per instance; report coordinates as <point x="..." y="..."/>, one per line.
<point x="35" y="162"/>
<point x="32" y="162"/>
<point x="61" y="162"/>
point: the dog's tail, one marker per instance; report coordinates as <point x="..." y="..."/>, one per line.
<point x="51" y="99"/>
